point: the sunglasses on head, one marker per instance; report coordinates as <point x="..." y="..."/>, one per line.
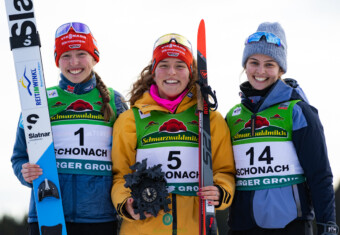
<point x="168" y="38"/>
<point x="77" y="27"/>
<point x="270" y="38"/>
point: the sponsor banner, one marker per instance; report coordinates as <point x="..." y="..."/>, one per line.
<point x="84" y="167"/>
<point x="258" y="183"/>
<point x="185" y="189"/>
<point x="157" y="137"/>
<point x="270" y="131"/>
<point x="70" y="115"/>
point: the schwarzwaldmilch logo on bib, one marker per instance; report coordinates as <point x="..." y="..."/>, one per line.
<point x="262" y="129"/>
<point x="79" y="109"/>
<point x="169" y="131"/>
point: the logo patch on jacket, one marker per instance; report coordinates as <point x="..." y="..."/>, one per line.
<point x="284" y="105"/>
<point x="52" y="93"/>
<point x="237" y="111"/>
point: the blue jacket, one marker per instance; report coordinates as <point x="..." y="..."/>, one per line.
<point x="86" y="198"/>
<point x="315" y="197"/>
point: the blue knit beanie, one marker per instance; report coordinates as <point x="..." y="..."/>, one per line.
<point x="278" y="53"/>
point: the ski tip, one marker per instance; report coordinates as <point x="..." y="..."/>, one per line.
<point x="201" y="47"/>
<point x="201" y="27"/>
<point x="202" y="22"/>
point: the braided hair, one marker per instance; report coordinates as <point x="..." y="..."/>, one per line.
<point x="106" y="108"/>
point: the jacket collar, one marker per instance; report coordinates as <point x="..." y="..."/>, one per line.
<point x="278" y="93"/>
<point x="77" y="88"/>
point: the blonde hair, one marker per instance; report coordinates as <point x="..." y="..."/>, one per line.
<point x="106" y="108"/>
<point x="145" y="81"/>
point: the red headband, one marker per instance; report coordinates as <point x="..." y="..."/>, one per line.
<point x="172" y="50"/>
<point x="75" y="41"/>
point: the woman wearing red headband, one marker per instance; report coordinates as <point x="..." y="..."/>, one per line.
<point x="82" y="111"/>
<point x="162" y="116"/>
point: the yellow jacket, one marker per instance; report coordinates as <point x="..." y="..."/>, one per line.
<point x="186" y="213"/>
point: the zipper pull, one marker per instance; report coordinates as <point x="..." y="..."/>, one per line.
<point x="253" y="124"/>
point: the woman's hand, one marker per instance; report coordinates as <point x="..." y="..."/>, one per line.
<point x="30" y="172"/>
<point x="210" y="193"/>
<point x="129" y="209"/>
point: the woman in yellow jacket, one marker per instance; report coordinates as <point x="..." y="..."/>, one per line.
<point x="162" y="127"/>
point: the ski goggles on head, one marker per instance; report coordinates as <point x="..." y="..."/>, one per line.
<point x="270" y="38"/>
<point x="77" y="27"/>
<point x="168" y="38"/>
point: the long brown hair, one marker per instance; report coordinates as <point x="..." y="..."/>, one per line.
<point x="106" y="108"/>
<point x="145" y="81"/>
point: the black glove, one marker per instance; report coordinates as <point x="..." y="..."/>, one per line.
<point x="327" y="229"/>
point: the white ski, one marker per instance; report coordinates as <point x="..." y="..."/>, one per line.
<point x="25" y="45"/>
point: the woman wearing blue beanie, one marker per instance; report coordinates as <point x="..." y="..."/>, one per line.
<point x="284" y="179"/>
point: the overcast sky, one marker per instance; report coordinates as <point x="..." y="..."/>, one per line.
<point x="126" y="30"/>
